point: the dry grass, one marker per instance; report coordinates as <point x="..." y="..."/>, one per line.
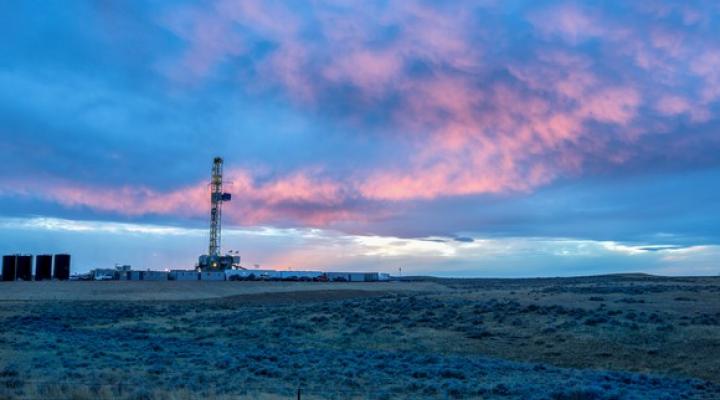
<point x="79" y="392"/>
<point x="189" y="290"/>
<point x="404" y="340"/>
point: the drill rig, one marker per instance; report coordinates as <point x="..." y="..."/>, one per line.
<point x="213" y="261"/>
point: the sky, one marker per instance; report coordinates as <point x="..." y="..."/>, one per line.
<point x="468" y="138"/>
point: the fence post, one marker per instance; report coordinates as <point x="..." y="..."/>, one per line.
<point x="298" y="393"/>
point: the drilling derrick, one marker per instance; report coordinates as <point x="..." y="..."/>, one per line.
<point x="213" y="260"/>
<point x="216" y="199"/>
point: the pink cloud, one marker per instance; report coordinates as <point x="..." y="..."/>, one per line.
<point x="210" y="41"/>
<point x="370" y="70"/>
<point x="707" y="66"/>
<point x="301" y="197"/>
<point x="126" y="200"/>
<point x="570" y="21"/>
<point x="475" y="119"/>
<point x="613" y="105"/>
<point x="670" y="42"/>
<point x="672" y="105"/>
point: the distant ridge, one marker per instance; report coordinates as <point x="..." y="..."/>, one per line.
<point x="615" y="275"/>
<point x="618" y="277"/>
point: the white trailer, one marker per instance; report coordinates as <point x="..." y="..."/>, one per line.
<point x="300" y="275"/>
<point x="338" y="276"/>
<point x="154" y="275"/>
<point x="184" y="275"/>
<point x="358" y="277"/>
<point x="212" y="276"/>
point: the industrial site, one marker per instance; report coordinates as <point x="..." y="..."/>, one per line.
<point x="213" y="266"/>
<point x="218" y="330"/>
<point x="359" y="200"/>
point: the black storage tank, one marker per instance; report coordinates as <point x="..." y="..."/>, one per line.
<point x="23" y="268"/>
<point x="8" y="268"/>
<point x="62" y="267"/>
<point x="43" y="267"/>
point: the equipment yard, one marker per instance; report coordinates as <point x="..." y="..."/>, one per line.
<point x="610" y="337"/>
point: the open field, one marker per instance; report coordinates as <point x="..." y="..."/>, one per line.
<point x="610" y="337"/>
<point x="186" y="290"/>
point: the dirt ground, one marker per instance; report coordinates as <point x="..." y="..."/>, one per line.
<point x="607" y="337"/>
<point x="189" y="290"/>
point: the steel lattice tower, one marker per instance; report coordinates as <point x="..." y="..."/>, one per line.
<point x="216" y="200"/>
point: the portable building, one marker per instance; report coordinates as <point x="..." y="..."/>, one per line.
<point x="43" y="267"/>
<point x="154" y="276"/>
<point x="251" y="274"/>
<point x="357" y="277"/>
<point x="212" y="275"/>
<point x="238" y="274"/>
<point x="376" y="276"/>
<point x="268" y="274"/>
<point x="310" y="274"/>
<point x="135" y="275"/>
<point x="371" y="277"/>
<point x="288" y="275"/>
<point x="271" y="275"/>
<point x="299" y="275"/>
<point x="353" y="276"/>
<point x="257" y="274"/>
<point x="8" y="268"/>
<point x="338" y="276"/>
<point x="183" y="275"/>
<point x="103" y="274"/>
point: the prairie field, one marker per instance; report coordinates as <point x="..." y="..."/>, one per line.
<point x="604" y="337"/>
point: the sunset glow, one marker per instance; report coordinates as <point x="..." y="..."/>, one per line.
<point x="479" y="138"/>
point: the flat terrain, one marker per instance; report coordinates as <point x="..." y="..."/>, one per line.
<point x="609" y="337"/>
<point x="186" y="290"/>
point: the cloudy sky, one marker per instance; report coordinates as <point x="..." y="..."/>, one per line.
<point x="464" y="138"/>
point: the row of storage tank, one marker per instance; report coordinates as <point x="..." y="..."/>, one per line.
<point x="20" y="267"/>
<point x="240" y="275"/>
